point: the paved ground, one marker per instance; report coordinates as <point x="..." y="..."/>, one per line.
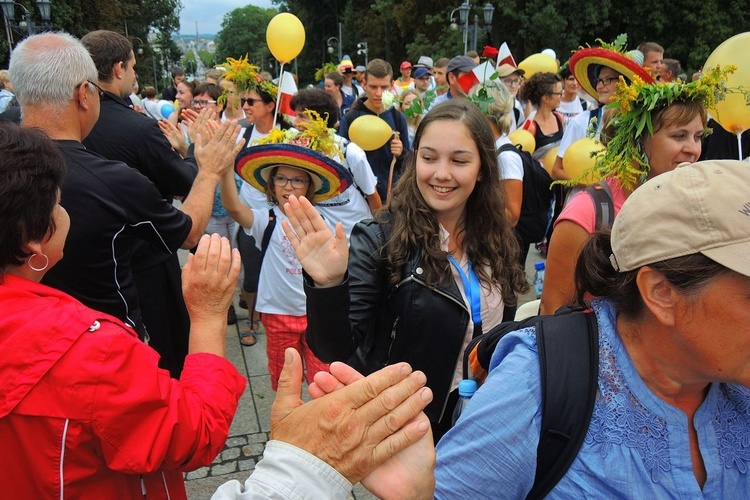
<point x="251" y="425"/>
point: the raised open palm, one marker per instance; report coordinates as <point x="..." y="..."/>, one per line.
<point x="323" y="255"/>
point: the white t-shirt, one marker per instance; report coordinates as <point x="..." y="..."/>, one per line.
<point x="521" y="117"/>
<point x="509" y="163"/>
<point x="251" y="196"/>
<point x="350" y="206"/>
<point x="577" y="130"/>
<point x="280" y="288"/>
<point x="570" y="109"/>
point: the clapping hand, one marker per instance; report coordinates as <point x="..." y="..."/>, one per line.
<point x="359" y="427"/>
<point x="322" y="255"/>
<point x="409" y="473"/>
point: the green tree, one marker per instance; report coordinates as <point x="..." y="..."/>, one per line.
<point x="134" y="18"/>
<point x="243" y="31"/>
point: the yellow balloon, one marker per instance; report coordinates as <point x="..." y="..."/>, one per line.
<point x="538" y="63"/>
<point x="524" y="138"/>
<point x="733" y="113"/>
<point x="369" y="132"/>
<point x="285" y="36"/>
<point x="549" y="159"/>
<point x="578" y="159"/>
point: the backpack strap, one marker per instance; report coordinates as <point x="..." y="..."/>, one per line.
<point x="604" y="208"/>
<point x="248" y="133"/>
<point x="584" y="103"/>
<point x="568" y="346"/>
<point x="267" y="233"/>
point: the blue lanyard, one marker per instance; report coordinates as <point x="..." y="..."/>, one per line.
<point x="472" y="290"/>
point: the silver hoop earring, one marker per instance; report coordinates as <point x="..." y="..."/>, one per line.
<point x="40" y="269"/>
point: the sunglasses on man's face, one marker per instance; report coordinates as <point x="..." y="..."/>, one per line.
<point x="249" y="100"/>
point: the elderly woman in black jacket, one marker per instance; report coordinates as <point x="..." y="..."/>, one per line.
<point x="437" y="265"/>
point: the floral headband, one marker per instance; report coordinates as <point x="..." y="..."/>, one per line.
<point x="316" y="136"/>
<point x="624" y="157"/>
<point x="245" y="77"/>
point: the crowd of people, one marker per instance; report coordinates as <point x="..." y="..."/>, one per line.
<point x="371" y="269"/>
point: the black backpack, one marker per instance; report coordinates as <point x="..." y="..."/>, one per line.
<point x="537" y="196"/>
<point x="568" y="346"/>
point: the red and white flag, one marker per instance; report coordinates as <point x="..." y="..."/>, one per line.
<point x="479" y="74"/>
<point x="505" y="57"/>
<point x="287" y="90"/>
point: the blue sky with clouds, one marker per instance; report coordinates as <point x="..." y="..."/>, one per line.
<point x="209" y="13"/>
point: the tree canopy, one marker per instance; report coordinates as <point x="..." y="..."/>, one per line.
<point x="134" y="18"/>
<point x="406" y="29"/>
<point x="243" y="31"/>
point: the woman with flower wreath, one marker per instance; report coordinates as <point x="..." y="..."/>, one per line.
<point x="300" y="163"/>
<point x="658" y="127"/>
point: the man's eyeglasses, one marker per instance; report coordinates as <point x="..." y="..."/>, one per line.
<point x="297" y="182"/>
<point x="514" y="82"/>
<point x="249" y="100"/>
<point x="607" y="81"/>
<point x="201" y="103"/>
<point x="99" y="90"/>
<point x="556" y="93"/>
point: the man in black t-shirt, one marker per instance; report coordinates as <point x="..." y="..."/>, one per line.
<point x="124" y="135"/>
<point x="110" y="205"/>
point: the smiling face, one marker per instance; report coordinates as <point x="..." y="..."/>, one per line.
<point x="184" y="95"/>
<point x="203" y="101"/>
<point x="673" y="143"/>
<point x="447" y="170"/>
<point x="606" y="90"/>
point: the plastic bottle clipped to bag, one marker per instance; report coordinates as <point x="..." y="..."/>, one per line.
<point x="466" y="389"/>
<point x="539" y="278"/>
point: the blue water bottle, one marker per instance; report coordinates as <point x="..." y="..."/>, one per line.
<point x="538" y="279"/>
<point x="466" y="389"/>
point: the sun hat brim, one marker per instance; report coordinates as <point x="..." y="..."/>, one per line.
<point x="584" y="64"/>
<point x="254" y="165"/>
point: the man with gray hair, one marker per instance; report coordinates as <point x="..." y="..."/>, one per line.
<point x="110" y="205"/>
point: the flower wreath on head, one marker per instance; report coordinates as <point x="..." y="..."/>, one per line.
<point x="316" y="136"/>
<point x="624" y="157"/>
<point x="245" y="76"/>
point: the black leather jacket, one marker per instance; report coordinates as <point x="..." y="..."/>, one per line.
<point x="384" y="325"/>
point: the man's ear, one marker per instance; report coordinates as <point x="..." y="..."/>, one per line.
<point x="659" y="295"/>
<point x="118" y="70"/>
<point x="84" y="95"/>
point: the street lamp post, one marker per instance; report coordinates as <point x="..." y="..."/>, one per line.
<point x="463" y="20"/>
<point x="27" y="24"/>
<point x="363" y="49"/>
<point x="330" y="42"/>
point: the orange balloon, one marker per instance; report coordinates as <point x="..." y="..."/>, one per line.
<point x="578" y="159"/>
<point x="733" y="113"/>
<point x="549" y="159"/>
<point x="524" y="138"/>
<point x="370" y="132"/>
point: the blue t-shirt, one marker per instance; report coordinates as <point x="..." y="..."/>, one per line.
<point x="637" y="445"/>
